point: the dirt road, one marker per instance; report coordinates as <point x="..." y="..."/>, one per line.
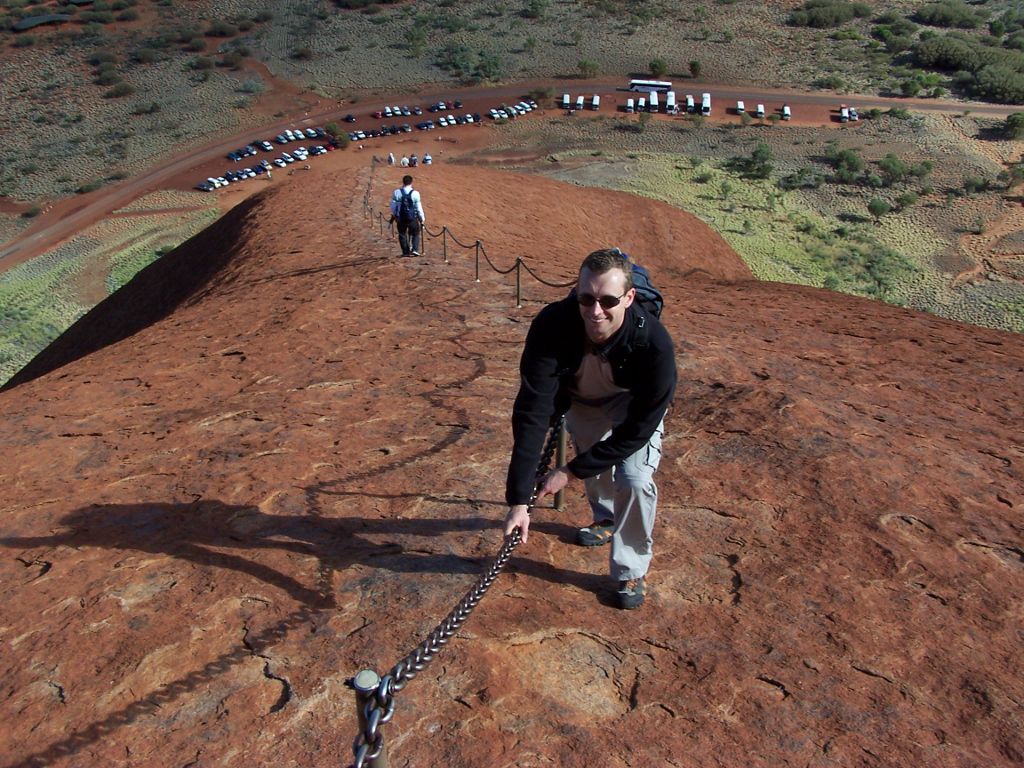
<point x="64" y="218"/>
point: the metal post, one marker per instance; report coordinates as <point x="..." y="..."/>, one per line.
<point x="478" y="261"/>
<point x="560" y="452"/>
<point x="380" y="220"/>
<point x="444" y="242"/>
<point x="519" y="283"/>
<point x="365" y="685"/>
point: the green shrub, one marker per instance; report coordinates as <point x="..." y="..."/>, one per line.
<point x="822" y="14"/>
<point x="221" y="29"/>
<point x="949" y="13"/>
<point x="119" y="90"/>
<point x="831" y="82"/>
<point x="302" y="54"/>
<point x="146" y="109"/>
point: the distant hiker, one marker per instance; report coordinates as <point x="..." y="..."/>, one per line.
<point x="404" y="162"/>
<point x="391" y="158"/>
<point x="427" y="159"/>
<point x="414" y="160"/>
<point x="407" y="210"/>
<point x="602" y="357"/>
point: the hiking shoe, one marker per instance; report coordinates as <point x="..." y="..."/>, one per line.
<point x="632" y="593"/>
<point x="595" y="534"/>
<point x="415" y="253"/>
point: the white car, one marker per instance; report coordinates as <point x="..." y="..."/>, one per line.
<point x="287" y="158"/>
<point x="215" y="182"/>
<point x="223" y="181"/>
<point x="279" y="162"/>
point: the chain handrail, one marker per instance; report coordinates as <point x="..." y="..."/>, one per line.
<point x="479" y="245"/>
<point x="380" y="706"/>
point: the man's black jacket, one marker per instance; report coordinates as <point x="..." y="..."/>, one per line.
<point x="642" y="361"/>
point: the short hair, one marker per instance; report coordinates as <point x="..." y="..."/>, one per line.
<point x="406" y="181"/>
<point x="606" y="260"/>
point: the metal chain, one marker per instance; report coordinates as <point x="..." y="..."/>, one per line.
<point x="380" y="707"/>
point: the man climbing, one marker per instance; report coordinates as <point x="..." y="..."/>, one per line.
<point x="407" y="210"/>
<point x="610" y="363"/>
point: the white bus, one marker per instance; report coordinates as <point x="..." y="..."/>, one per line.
<point x="650" y="86"/>
<point x="595" y="102"/>
<point x="641" y="104"/>
<point x="580" y="102"/>
<point x="652" y="102"/>
<point x="705" y="104"/>
<point x="690" y="108"/>
<point x="670" y="102"/>
<point x="629" y="106"/>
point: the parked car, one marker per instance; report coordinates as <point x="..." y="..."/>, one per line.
<point x="279" y="162"/>
<point x="417" y="110"/>
<point x="350" y="118"/>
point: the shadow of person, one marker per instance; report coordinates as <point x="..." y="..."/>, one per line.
<point x="204" y="532"/>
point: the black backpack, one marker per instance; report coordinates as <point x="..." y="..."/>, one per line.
<point x="650" y="298"/>
<point x="407" y="209"/>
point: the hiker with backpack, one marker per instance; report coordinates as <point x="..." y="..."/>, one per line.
<point x="407" y="211"/>
<point x="602" y="357"/>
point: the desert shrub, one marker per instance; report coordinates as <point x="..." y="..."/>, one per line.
<point x="202" y="63"/>
<point x="146" y="109"/>
<point x="658" y="67"/>
<point x="588" y="68"/>
<point x="998" y="83"/>
<point x="98" y="17"/>
<point x="145" y="55"/>
<point x="107" y="77"/>
<point x="303" y="53"/>
<point x="1015" y="125"/>
<point x="232" y="60"/>
<point x="91" y="186"/>
<point x="906" y="200"/>
<point x="221" y="29"/>
<point x="129" y="15"/>
<point x="252" y="86"/>
<point x="264" y="16"/>
<point x="96" y="58"/>
<point x="695" y="68"/>
<point x="703" y="177"/>
<point x="893" y="168"/>
<point x="974" y="184"/>
<point x="534" y="9"/>
<point x="196" y="44"/>
<point x="757" y="166"/>
<point x="846" y="162"/>
<point x="821" y="14"/>
<point x="900" y="113"/>
<point x="832" y="82"/>
<point x="949" y="13"/>
<point x="244" y="25"/>
<point x="119" y="90"/>
<point x="910" y="87"/>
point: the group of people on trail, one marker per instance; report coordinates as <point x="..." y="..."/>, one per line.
<point x="411" y="161"/>
<point x="603" y="360"/>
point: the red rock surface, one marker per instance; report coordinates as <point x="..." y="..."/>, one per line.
<point x="290" y="466"/>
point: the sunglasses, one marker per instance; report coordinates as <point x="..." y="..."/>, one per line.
<point x="606" y="302"/>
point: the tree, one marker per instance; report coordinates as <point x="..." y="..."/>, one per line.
<point x="877" y="207"/>
<point x="894" y="169"/>
<point x="659" y="67"/>
<point x="588" y="68"/>
<point x="1015" y="125"/>
<point x="695" y="68"/>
